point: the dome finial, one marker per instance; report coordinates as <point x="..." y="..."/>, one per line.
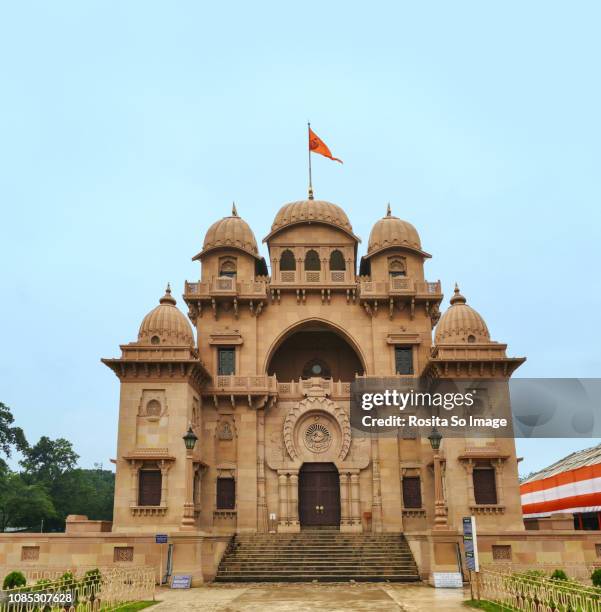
<point x="234" y="211"/>
<point x="388" y="210"/>
<point x="168" y="298"/>
<point x="457" y="297"/>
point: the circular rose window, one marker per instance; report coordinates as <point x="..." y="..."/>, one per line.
<point x="318" y="438"/>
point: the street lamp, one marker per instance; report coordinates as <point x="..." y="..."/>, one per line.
<point x="190" y="439"/>
<point x="440" y="509"/>
<point x="435" y="439"/>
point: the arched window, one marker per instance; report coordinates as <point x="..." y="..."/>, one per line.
<point x="287" y="262"/>
<point x="397" y="266"/>
<point x="227" y="267"/>
<point x="337" y="261"/>
<point x="312" y="260"/>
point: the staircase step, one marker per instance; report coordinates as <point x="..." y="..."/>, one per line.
<point x="320" y="554"/>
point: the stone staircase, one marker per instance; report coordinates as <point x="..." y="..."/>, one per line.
<point x="324" y="555"/>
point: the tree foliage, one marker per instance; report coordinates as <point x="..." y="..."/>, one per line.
<point x="10" y="436"/>
<point x="50" y="486"/>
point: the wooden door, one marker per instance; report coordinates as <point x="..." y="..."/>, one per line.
<point x="319" y="495"/>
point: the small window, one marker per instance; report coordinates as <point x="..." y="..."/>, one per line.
<point x="312" y="261"/>
<point x="149" y="488"/>
<point x="316" y="368"/>
<point x="226" y="494"/>
<point x="412" y="492"/>
<point x="501" y="552"/>
<point x="403" y="360"/>
<point x="30" y="553"/>
<point x="337" y="261"/>
<point x="153" y="408"/>
<point x="226" y="361"/>
<point x="123" y="554"/>
<point x="485" y="486"/>
<point x="287" y="262"/>
<point x="397" y="267"/>
<point x="227" y="267"/>
<point x="471" y="338"/>
<point x="155" y="340"/>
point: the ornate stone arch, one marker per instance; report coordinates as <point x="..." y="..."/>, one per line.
<point x="328" y="325"/>
<point x="317" y="405"/>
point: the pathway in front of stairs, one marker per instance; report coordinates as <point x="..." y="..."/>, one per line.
<point x="312" y="597"/>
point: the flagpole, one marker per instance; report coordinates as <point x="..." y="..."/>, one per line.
<point x="309" y="149"/>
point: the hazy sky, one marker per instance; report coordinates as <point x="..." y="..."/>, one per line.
<point x="126" y="128"/>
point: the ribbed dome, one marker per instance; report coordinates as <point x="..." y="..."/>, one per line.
<point x="461" y="324"/>
<point x="318" y="211"/>
<point x="390" y="232"/>
<point x="167" y="323"/>
<point x="231" y="232"/>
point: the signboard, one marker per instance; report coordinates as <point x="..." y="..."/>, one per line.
<point x="181" y="581"/>
<point x="161" y="538"/>
<point x="470" y="543"/>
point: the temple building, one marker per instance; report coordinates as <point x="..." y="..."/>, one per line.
<point x="260" y="369"/>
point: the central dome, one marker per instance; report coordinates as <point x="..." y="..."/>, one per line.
<point x="311" y="211"/>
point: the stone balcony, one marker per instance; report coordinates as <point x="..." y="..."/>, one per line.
<point x="400" y="286"/>
<point x="224" y="286"/>
<point x="302" y="387"/>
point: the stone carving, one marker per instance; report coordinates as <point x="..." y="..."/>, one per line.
<point x="317" y="405"/>
<point x="317" y="437"/>
<point x="123" y="553"/>
<point x="225" y="431"/>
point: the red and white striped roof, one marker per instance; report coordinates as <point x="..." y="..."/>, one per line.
<point x="572" y="484"/>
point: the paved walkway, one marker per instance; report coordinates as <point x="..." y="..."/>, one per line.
<point x="314" y="597"/>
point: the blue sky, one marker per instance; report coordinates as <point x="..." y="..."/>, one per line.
<point x="126" y="128"/>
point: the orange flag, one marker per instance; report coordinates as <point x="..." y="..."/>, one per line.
<point x="317" y="145"/>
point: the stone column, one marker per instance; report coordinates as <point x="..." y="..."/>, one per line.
<point x="283" y="495"/>
<point x="134" y="467"/>
<point x="345" y="514"/>
<point x="164" y="466"/>
<point x="499" y="481"/>
<point x="355" y="506"/>
<point x="293" y="501"/>
<point x="261" y="501"/>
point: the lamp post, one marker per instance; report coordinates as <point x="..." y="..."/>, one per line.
<point x="190" y="439"/>
<point x="440" y="509"/>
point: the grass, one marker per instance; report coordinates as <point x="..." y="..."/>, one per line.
<point x="136" y="605"/>
<point x="489" y="606"/>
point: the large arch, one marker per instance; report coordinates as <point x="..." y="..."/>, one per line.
<point x="330" y="339"/>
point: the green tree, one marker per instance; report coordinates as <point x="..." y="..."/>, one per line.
<point x="49" y="459"/>
<point x="22" y="504"/>
<point x="10" y="436"/>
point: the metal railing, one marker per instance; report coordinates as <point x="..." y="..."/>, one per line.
<point x="530" y="592"/>
<point x="101" y="589"/>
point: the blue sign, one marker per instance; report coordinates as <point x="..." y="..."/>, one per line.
<point x="181" y="581"/>
<point x="161" y="538"/>
<point x="470" y="543"/>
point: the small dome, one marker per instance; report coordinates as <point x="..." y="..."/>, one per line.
<point x="389" y="232"/>
<point x="461" y="324"/>
<point x="233" y="232"/>
<point x="308" y="211"/>
<point x="166" y="324"/>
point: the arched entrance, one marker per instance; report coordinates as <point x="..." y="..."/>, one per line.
<point x="319" y="495"/>
<point x="315" y="349"/>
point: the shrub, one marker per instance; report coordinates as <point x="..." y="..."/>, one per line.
<point x="92" y="576"/>
<point x="13" y="580"/>
<point x="596" y="577"/>
<point x="559" y="574"/>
